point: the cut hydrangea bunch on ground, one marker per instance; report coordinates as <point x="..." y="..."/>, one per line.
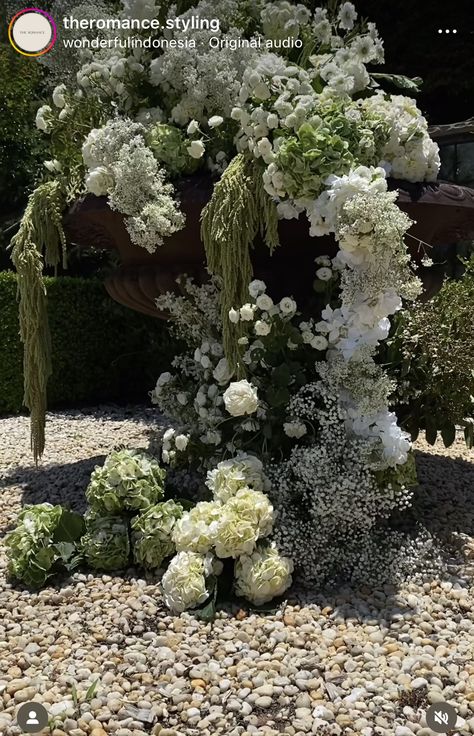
<point x="43" y="543"/>
<point x="129" y="480"/>
<point x="106" y="544"/>
<point x="152" y="532"/>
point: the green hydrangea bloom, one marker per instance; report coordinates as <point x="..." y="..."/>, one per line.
<point x="169" y="147"/>
<point x="43" y="543"/>
<point x="129" y="480"/>
<point x="106" y="544"/>
<point x="151" y="534"/>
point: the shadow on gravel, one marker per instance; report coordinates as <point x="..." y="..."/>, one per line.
<point x="56" y="484"/>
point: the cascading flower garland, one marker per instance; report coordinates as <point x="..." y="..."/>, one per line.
<point x="283" y="410"/>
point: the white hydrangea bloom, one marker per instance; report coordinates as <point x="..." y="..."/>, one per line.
<point x="197" y="529"/>
<point x="231" y="475"/>
<point x="262" y="575"/>
<point x="184" y="582"/>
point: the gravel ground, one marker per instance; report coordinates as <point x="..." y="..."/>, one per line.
<point x="365" y="662"/>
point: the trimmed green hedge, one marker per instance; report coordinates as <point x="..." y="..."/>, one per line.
<point x="101" y="351"/>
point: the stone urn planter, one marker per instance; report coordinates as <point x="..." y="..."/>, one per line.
<point x="443" y="214"/>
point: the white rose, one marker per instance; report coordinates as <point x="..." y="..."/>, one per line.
<point x="215" y="121"/>
<point x="256" y="287"/>
<point x="264" y="302"/>
<point x="59" y="98"/>
<point x="319" y="342"/>
<point x="99" y="181"/>
<point x="193" y="127"/>
<point x="247" y="312"/>
<point x="222" y="372"/>
<point x="196" y="149"/>
<point x="262" y="328"/>
<point x="241" y="398"/>
<point x="287" y="305"/>
<point x="234" y="316"/>
<point x="324" y="273"/>
<point x="181" y="442"/>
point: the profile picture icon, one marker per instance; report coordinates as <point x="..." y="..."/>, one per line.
<point x="32" y="717"/>
<point x="32" y="32"/>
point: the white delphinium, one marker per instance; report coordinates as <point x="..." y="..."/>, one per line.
<point x="197" y="529"/>
<point x="229" y="476"/>
<point x="241" y="398"/>
<point x="185" y="581"/>
<point x="262" y="575"/>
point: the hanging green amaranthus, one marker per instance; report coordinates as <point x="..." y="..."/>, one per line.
<point x="238" y="212"/>
<point x="40" y="237"/>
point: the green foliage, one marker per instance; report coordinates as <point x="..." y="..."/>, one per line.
<point x="431" y="356"/>
<point x="239" y="210"/>
<point x="43" y="543"/>
<point x="101" y="351"/>
<point x="106" y="545"/>
<point x="169" y="145"/>
<point x="21" y="146"/>
<point x="151" y="534"/>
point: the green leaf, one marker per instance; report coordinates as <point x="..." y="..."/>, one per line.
<point x="448" y="433"/>
<point x="207" y="612"/>
<point x="91" y="691"/>
<point x="75" y="698"/>
<point x="70" y="527"/>
<point x="400" y="81"/>
<point x="431" y="430"/>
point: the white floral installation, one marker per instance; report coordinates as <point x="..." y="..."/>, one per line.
<point x="292" y="428"/>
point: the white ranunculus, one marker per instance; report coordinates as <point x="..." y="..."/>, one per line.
<point x="262" y="328"/>
<point x="241" y="398"/>
<point x="324" y="273"/>
<point x="215" y="121"/>
<point x="262" y="575"/>
<point x="99" y="181"/>
<point x="196" y="149"/>
<point x="222" y="372"/>
<point x="59" y="98"/>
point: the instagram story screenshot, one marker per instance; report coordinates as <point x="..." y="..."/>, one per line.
<point x="236" y="368"/>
